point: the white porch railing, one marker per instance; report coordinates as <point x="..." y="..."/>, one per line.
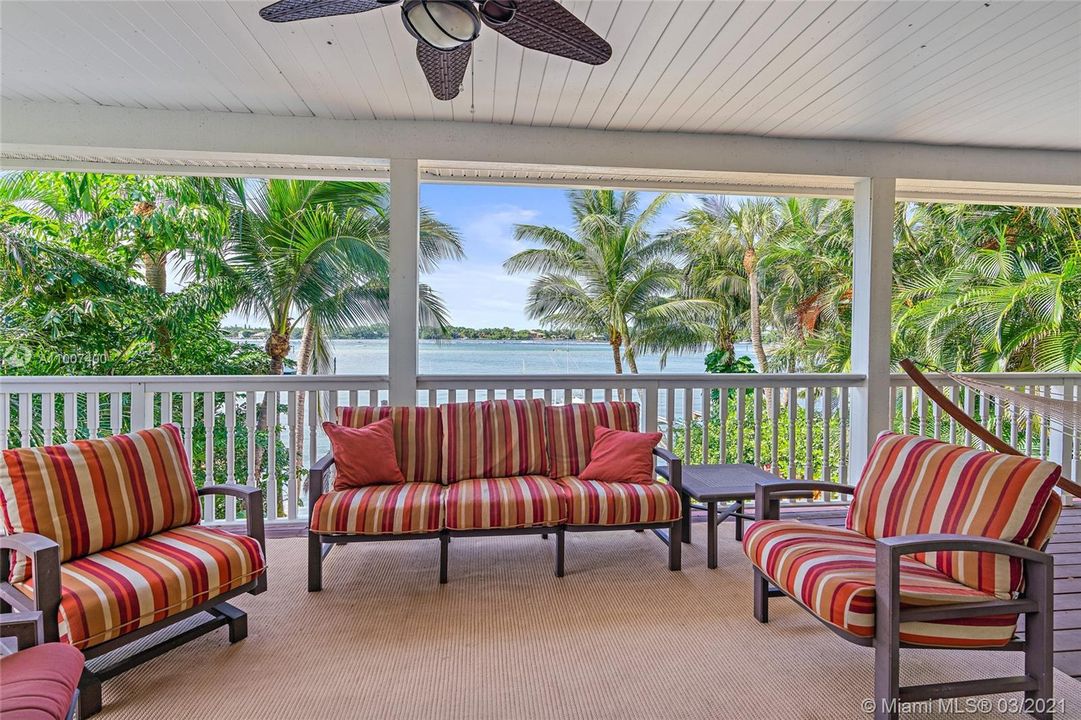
<point x="793" y="425"/>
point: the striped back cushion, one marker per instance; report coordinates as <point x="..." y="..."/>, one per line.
<point x="570" y="431"/>
<point x="92" y="495"/>
<point x="416" y="436"/>
<point x="914" y="485"/>
<point x="493" y="439"/>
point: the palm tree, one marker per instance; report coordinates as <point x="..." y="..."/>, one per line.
<point x="711" y="305"/>
<point x="604" y="276"/>
<point x="315" y="253"/>
<point x="742" y="230"/>
<point x="807" y="273"/>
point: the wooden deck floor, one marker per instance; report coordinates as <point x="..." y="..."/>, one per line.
<point x="1066" y="547"/>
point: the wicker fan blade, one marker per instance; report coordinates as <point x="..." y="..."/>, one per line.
<point x="290" y="10"/>
<point x="444" y="69"/>
<point x="547" y="26"/>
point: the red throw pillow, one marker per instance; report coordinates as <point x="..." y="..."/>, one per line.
<point x="364" y="456"/>
<point x="621" y="456"/>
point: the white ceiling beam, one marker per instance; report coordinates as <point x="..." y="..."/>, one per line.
<point x="38" y="127"/>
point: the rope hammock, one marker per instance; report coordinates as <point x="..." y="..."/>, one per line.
<point x="1063" y="412"/>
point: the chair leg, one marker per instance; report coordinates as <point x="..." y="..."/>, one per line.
<point x="887" y="645"/>
<point x="561" y="546"/>
<point x="315" y="563"/>
<point x="444" y="548"/>
<point x="236" y="619"/>
<point x="739" y="521"/>
<point x="1039" y="639"/>
<point x="675" y="547"/>
<point x="761" y="596"/>
<point x="685" y="521"/>
<point x="89" y="694"/>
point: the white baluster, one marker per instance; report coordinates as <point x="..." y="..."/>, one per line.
<point x="757" y="432"/>
<point x="827" y="418"/>
<point x="5" y="419"/>
<point x="793" y="401"/>
<point x="291" y="423"/>
<point x="26" y="419"/>
<point x="71" y="414"/>
<point x="230" y="452"/>
<point x="272" y="454"/>
<point x="93" y="414"/>
<point x="842" y="461"/>
<point x="808" y="469"/>
<point x="688" y="423"/>
<point x="741" y="418"/>
<point x="775" y="436"/>
<point x="208" y="453"/>
<point x="706" y="400"/>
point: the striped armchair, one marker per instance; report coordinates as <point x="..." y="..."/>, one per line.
<point x="943" y="548"/>
<point x="107" y="547"/>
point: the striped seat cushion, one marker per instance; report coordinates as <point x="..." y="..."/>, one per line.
<point x="493" y="439"/>
<point x="116" y="591"/>
<point x="510" y="502"/>
<point x="591" y="502"/>
<point x="570" y="431"/>
<point x="380" y="510"/>
<point x="912" y="485"/>
<point x="416" y="436"/>
<point x="92" y="495"/>
<point x="831" y="571"/>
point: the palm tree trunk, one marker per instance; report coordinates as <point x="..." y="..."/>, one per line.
<point x="303" y="368"/>
<point x="616" y="342"/>
<point x="277" y="348"/>
<point x="756" y="320"/>
<point x="156" y="276"/>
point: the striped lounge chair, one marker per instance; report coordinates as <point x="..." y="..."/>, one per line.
<point x="943" y="548"/>
<point x="103" y="540"/>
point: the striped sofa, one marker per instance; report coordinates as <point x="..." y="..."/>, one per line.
<point x="103" y="539"/>
<point x="943" y="547"/>
<point x="488" y="468"/>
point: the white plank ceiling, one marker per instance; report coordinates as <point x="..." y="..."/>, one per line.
<point x="979" y="73"/>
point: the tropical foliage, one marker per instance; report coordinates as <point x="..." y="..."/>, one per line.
<point x="605" y="276"/>
<point x="975" y="287"/>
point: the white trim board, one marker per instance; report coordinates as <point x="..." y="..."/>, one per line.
<point x="245" y="144"/>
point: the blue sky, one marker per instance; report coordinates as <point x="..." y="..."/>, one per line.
<point x="477" y="290"/>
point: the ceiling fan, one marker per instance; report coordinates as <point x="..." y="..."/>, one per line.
<point x="445" y="30"/>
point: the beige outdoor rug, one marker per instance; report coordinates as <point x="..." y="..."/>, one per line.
<point x="619" y="637"/>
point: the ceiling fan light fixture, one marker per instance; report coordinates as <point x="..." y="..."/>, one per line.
<point x="441" y="24"/>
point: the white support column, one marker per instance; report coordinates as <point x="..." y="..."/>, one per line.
<point x="872" y="280"/>
<point x="404" y="280"/>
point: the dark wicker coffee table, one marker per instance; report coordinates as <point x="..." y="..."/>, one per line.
<point x="711" y="484"/>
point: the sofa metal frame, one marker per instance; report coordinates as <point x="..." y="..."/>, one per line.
<point x="1035" y="602"/>
<point x="320" y="544"/>
<point x="45" y="556"/>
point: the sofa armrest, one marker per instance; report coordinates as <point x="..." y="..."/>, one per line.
<point x="674" y="470"/>
<point x="253" y="507"/>
<point x="318" y="476"/>
<point x="893" y="548"/>
<point x="44" y="556"/>
<point x="767" y="505"/>
<point x="26" y="627"/>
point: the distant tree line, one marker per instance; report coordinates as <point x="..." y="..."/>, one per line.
<point x="381" y="331"/>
